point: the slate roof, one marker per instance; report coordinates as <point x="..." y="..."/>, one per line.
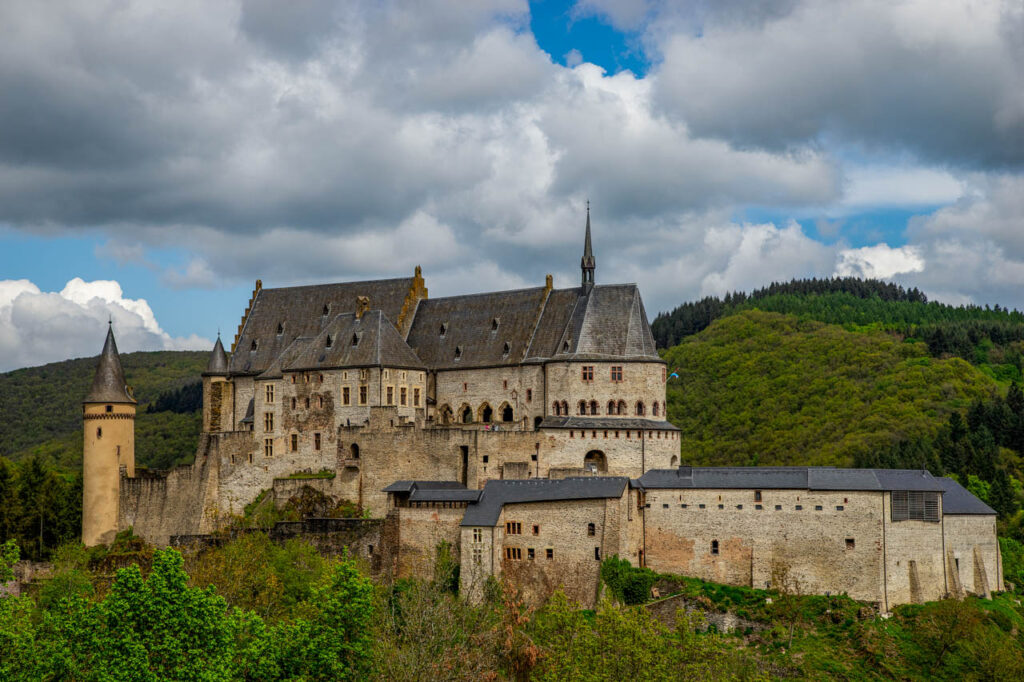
<point x="956" y="499"/>
<point x="434" y="491"/>
<point x="470" y="339"/>
<point x="790" y="478"/>
<point x="606" y="322"/>
<point x="299" y="311"/>
<point x="367" y="341"/>
<point x="250" y="412"/>
<point x="108" y="384"/>
<point x="218" y="364"/>
<point x="606" y="423"/>
<point x="496" y="494"/>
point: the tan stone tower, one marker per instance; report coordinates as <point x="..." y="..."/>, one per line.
<point x="217" y="392"/>
<point x="109" y="444"/>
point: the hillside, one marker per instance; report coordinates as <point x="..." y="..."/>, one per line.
<point x="772" y="389"/>
<point x="41" y="408"/>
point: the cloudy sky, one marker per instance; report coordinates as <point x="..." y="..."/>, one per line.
<point x="157" y="158"/>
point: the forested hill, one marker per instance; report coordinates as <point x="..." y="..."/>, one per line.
<point x="765" y="388"/>
<point x="41" y="407"/>
<point x="991" y="338"/>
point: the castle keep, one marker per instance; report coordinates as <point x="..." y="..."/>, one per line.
<point x="528" y="428"/>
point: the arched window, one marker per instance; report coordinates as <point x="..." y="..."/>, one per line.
<point x="675" y="462"/>
<point x="556" y="409"/>
<point x="595" y="462"/>
<point x="446" y="414"/>
<point x="591" y="530"/>
<point x="486" y="414"/>
<point x="565" y="409"/>
<point x="327" y="310"/>
<point x="280" y="328"/>
<point x="582" y="407"/>
<point x="467" y="415"/>
<point x="330" y="341"/>
<point x="639" y="408"/>
<point x="654" y="409"/>
<point x="354" y="451"/>
<point x="622" y="408"/>
<point x="714" y="546"/>
<point x="611" y="407"/>
<point x="593" y="407"/>
<point x="506" y="414"/>
<point x="537" y="422"/>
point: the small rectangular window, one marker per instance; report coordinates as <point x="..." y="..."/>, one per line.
<point x="478" y="534"/>
<point x="316" y="441"/>
<point x="757" y="496"/>
<point x="597" y="553"/>
<point x="758" y="507"/>
<point x="270" y="393"/>
<point x="588" y="372"/>
<point x="362" y="395"/>
<point x="295" y="442"/>
<point x="478" y="556"/>
<point x="346" y="396"/>
<point x="416" y="397"/>
<point x="402" y="396"/>
<point x="664" y="505"/>
<point x="701" y="506"/>
<point x="529" y="554"/>
<point x="616" y="373"/>
<point x="721" y="506"/>
<point x="391" y="395"/>
<point x="268" y="422"/>
<point x="850" y="543"/>
<point x="513" y="528"/>
<point x="739" y="506"/>
<point x="839" y="507"/>
<point x="817" y="507"/>
<point x="550" y="553"/>
<point x="536" y="529"/>
<point x="529" y="394"/>
<point x="683" y="506"/>
<point x="268" y="447"/>
<point x="799" y="507"/>
<point x="778" y="507"/>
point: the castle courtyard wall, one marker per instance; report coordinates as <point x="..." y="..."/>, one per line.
<point x="496" y="387"/>
<point x="417" y="533"/>
<point x="641" y="382"/>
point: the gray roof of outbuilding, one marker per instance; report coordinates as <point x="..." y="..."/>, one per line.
<point x="405" y="486"/>
<point x="789" y="478"/>
<point x="606" y="423"/>
<point x="496" y="494"/>
<point x="299" y="311"/>
<point x="218" y="363"/>
<point x="434" y="491"/>
<point x="956" y="499"/>
<point x="108" y="384"/>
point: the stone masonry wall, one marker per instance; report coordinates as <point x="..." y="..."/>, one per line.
<point x="418" y="533"/>
<point x="914" y="566"/>
<point x="495" y="387"/>
<point x="965" y="535"/>
<point x="641" y="382"/>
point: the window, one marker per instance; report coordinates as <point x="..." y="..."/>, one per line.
<point x="839" y="507"/>
<point x="254" y="345"/>
<point x="513" y="528"/>
<point x="478" y="555"/>
<point x="320" y="402"/>
<point x="529" y="554"/>
<point x="391" y="395"/>
<point x="346" y="396"/>
<point x="316" y="441"/>
<point x="850" y="544"/>
<point x="416" y="397"/>
<point x="529" y="394"/>
<point x="293" y="378"/>
<point x="550" y="553"/>
<point x="109" y="408"/>
<point x="355" y="339"/>
<point x="640" y="408"/>
<point x="778" y="507"/>
<point x="268" y="421"/>
<point x="307" y="403"/>
<point x="683" y="506"/>
<point x="362" y="395"/>
<point x="721" y="506"/>
<point x="354" y="451"/>
<point x="280" y="328"/>
<point x="915" y="505"/>
<point x="330" y="341"/>
<point x="714" y="546"/>
<point x="250" y="458"/>
<point x="403" y="396"/>
<point x="739" y="506"/>
<point x="617" y="373"/>
<point x="494" y="325"/>
<point x="654" y="409"/>
<point x="591" y="529"/>
<point x="478" y="534"/>
<point x="387" y="374"/>
<point x="295" y="442"/>
<point x="588" y="372"/>
<point x="597" y="553"/>
<point x="268" y="447"/>
<point x="701" y="506"/>
<point x="757" y="496"/>
<point x="799" y="507"/>
<point x="611" y="407"/>
<point x="99" y="432"/>
<point x="327" y="310"/>
<point x="362" y="374"/>
<point x="506" y="349"/>
<point x="758" y="507"/>
<point x="504" y="384"/>
<point x="513" y="553"/>
<point x="443" y="330"/>
<point x="581" y="408"/>
<point x="536" y="529"/>
<point x="664" y="505"/>
<point x="458" y="352"/>
<point x="817" y="507"/>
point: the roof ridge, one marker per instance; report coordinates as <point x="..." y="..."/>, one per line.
<point x="480" y="293"/>
<point x="331" y="284"/>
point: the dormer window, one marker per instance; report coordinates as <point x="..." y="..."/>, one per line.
<point x="254" y="345"/>
<point x="444" y="329"/>
<point x="507" y="349"/>
<point x="280" y="328"/>
<point x="330" y="341"/>
<point x="327" y="310"/>
<point x="355" y="339"/>
<point x="458" y="352"/>
<point x="565" y="347"/>
<point x="494" y="325"/>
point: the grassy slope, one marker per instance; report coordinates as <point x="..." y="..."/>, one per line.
<point x="41" y="407"/>
<point x="765" y="388"/>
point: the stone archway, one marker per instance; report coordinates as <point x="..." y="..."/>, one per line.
<point x="506" y="413"/>
<point x="445" y="415"/>
<point x="486" y="413"/>
<point x="596" y="462"/>
<point x="466" y="414"/>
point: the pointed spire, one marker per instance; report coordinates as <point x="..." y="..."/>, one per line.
<point x="587" y="263"/>
<point x="218" y="364"/>
<point x="109" y="386"/>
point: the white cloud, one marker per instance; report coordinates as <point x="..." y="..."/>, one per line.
<point x="37" y="327"/>
<point x="880" y="261"/>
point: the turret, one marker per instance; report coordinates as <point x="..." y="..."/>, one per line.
<point x="108" y="413"/>
<point x="587" y="262"/>
<point x="217" y="392"/>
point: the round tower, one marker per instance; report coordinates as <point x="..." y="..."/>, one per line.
<point x="217" y="392"/>
<point x="108" y="414"/>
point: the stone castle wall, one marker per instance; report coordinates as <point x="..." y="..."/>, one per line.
<point x="972" y="549"/>
<point x="521" y="387"/>
<point x="641" y="382"/>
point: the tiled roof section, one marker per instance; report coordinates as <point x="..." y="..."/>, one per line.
<point x="606" y="423"/>
<point x="956" y="499"/>
<point x="367" y="341"/>
<point x="108" y="384"/>
<point x="434" y="491"/>
<point x="557" y="312"/>
<point x="496" y="494"/>
<point x="404" y="486"/>
<point x="470" y="338"/>
<point x="790" y="478"/>
<point x="218" y="364"/>
<point x="607" y="322"/>
<point x="250" y="412"/>
<point x="298" y="311"/>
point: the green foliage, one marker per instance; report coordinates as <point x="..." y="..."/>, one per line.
<point x="39" y="507"/>
<point x="40" y="404"/>
<point x="629" y="584"/>
<point x="446" y="568"/>
<point x="9" y="556"/>
<point x="1012" y="552"/>
<point x="764" y="388"/>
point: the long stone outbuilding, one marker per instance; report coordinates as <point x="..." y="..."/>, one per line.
<point x="545" y="407"/>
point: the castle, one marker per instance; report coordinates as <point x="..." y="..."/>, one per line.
<point x="527" y="428"/>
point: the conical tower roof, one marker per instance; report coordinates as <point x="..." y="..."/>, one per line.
<point x="587" y="263"/>
<point x="109" y="386"/>
<point x="218" y="364"/>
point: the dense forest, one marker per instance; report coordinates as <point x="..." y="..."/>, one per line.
<point x="40" y="507"/>
<point x="255" y="610"/>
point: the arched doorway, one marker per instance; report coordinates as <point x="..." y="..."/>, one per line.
<point x="595" y="461"/>
<point x="354" y="451"/>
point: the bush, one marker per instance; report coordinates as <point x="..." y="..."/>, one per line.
<point x="629" y="584"/>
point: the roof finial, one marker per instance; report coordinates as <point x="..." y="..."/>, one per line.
<point x="587" y="263"/>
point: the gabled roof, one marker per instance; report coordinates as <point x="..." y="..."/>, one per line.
<point x="298" y="311"/>
<point x="367" y="341"/>
<point x="108" y="384"/>
<point x="496" y="494"/>
<point x="789" y="478"/>
<point x="608" y="322"/>
<point x="956" y="499"/>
